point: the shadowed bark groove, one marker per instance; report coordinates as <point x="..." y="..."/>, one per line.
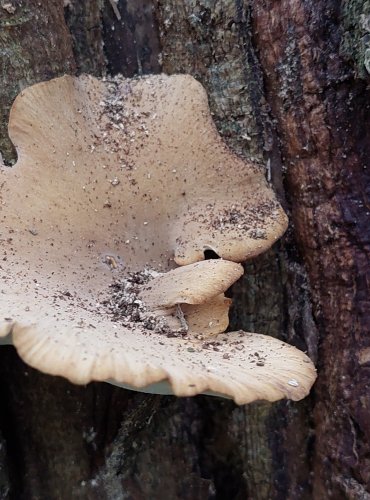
<point x="131" y="41"/>
<point x="83" y="20"/>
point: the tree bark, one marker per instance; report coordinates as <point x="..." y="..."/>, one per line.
<point x="322" y="106"/>
<point x="287" y="86"/>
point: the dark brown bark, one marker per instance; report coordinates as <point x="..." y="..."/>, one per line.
<point x="84" y="23"/>
<point x="321" y="108"/>
<point x="131" y="38"/>
<point x="286" y="86"/>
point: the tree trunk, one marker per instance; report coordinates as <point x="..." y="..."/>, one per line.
<point x="287" y="83"/>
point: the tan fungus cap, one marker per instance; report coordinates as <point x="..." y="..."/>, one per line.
<point x="124" y="176"/>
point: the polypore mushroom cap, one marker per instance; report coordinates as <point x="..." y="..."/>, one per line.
<point x="113" y="177"/>
<point x="193" y="284"/>
<point x="138" y="165"/>
<point x="239" y="365"/>
<point x="66" y="333"/>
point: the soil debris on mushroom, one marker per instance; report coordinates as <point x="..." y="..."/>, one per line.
<point x="127" y="181"/>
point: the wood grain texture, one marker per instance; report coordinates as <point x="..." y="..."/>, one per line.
<point x="322" y="108"/>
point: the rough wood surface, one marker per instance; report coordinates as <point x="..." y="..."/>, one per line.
<point x="84" y="23"/>
<point x="322" y="111"/>
<point x="130" y="32"/>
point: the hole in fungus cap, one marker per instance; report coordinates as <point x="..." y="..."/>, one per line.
<point x="117" y="182"/>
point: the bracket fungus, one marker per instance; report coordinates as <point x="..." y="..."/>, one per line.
<point x="118" y="182"/>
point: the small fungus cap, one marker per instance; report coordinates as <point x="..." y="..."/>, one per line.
<point x="117" y="182"/>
